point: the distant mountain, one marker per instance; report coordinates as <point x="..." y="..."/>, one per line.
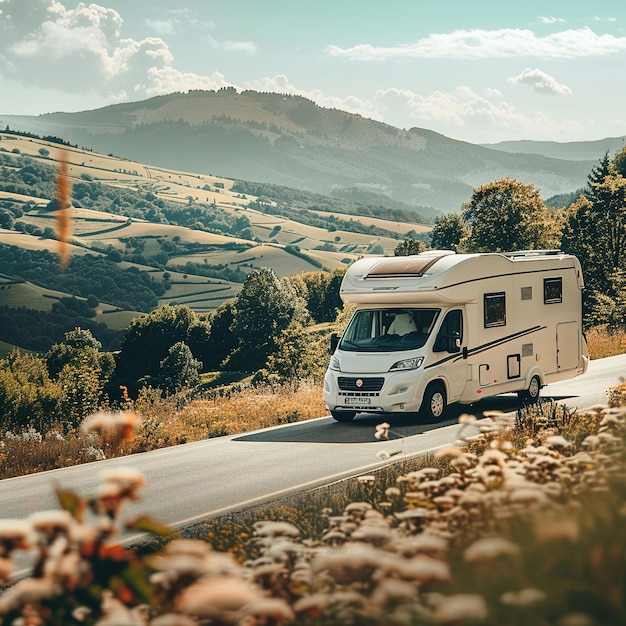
<point x="290" y="141"/>
<point x="572" y="150"/>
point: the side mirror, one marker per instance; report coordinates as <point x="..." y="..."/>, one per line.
<point x="334" y="342"/>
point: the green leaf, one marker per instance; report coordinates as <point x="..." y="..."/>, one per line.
<point x="145" y="523"/>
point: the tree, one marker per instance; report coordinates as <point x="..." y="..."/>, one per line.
<point x="222" y="340"/>
<point x="82" y="372"/>
<point x="320" y="290"/>
<point x="408" y="247"/>
<point x="595" y="231"/>
<point x="148" y="339"/>
<point x="599" y="173"/>
<point x="448" y="232"/>
<point x="507" y="215"/>
<point x="265" y="307"/>
<point x="28" y="397"/>
<point x="179" y="369"/>
<point x="619" y="163"/>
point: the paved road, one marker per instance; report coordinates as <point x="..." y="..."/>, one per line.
<point x="197" y="480"/>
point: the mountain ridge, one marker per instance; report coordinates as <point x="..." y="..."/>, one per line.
<point x="291" y="141"/>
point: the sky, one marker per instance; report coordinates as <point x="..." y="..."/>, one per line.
<point x="481" y="71"/>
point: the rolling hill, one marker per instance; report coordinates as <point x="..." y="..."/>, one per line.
<point x="290" y="141"/>
<point x="117" y="216"/>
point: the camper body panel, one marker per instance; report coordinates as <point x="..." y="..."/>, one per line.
<point x="500" y="321"/>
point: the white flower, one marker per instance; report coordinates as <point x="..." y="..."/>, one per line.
<point x="460" y="608"/>
<point x="490" y="549"/>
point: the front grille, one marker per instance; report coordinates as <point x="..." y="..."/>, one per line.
<point x="369" y="384"/>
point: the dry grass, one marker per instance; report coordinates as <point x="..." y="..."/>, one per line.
<point x="602" y="344"/>
<point x="224" y="412"/>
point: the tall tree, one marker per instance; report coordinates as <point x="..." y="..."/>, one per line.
<point x="409" y="247"/>
<point x="448" y="232"/>
<point x="507" y="215"/>
<point x="148" y="339"/>
<point x="265" y="307"/>
<point x="599" y="173"/>
<point x="596" y="232"/>
<point x="179" y="369"/>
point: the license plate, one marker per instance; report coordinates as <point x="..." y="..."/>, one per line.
<point x="357" y="400"/>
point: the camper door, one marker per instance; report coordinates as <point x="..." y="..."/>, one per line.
<point x="492" y="361"/>
<point x="449" y="346"/>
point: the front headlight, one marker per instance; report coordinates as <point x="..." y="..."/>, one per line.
<point x="334" y="364"/>
<point x="407" y="364"/>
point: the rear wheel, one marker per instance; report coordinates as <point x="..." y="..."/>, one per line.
<point x="343" y="416"/>
<point x="434" y="403"/>
<point x="531" y="395"/>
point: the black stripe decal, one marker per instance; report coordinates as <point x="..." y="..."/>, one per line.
<point x="487" y="346"/>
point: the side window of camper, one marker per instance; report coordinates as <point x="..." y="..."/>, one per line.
<point x="552" y="290"/>
<point x="450" y="335"/>
<point x="495" y="309"/>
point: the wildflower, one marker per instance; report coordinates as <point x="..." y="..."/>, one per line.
<point x="528" y="496"/>
<point x="425" y="543"/>
<point x="51" y="522"/>
<point x="382" y="431"/>
<point x="425" y="570"/>
<point x="63" y="209"/>
<point x="357" y="509"/>
<point x="547" y="530"/>
<point x="32" y="435"/>
<point x="276" y="529"/>
<point x="112" y="427"/>
<point x="372" y="532"/>
<point x="367" y="479"/>
<point x="525" y="597"/>
<point x="217" y="597"/>
<point x="448" y="453"/>
<point x="576" y="619"/>
<point x="273" y="609"/>
<point x="459" y="608"/>
<point x="393" y="590"/>
<point x="97" y="454"/>
<point x="7" y="566"/>
<point x="28" y="591"/>
<point x="466" y="418"/>
<point x="173" y="619"/>
<point x="127" y="477"/>
<point x="392" y="492"/>
<point x="15" y="534"/>
<point x="557" y="441"/>
<point x="489" y="549"/>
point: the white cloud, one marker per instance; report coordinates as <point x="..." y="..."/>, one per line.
<point x="540" y="82"/>
<point x="550" y="20"/>
<point x="248" y="47"/>
<point x="467" y="112"/>
<point x="486" y="44"/>
<point x="163" y="27"/>
<point x="81" y="51"/>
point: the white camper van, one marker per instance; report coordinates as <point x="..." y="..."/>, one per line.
<point x="439" y="327"/>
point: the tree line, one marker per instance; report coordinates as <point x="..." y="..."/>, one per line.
<point x="508" y="215"/>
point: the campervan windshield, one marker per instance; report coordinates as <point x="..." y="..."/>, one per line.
<point x="388" y="330"/>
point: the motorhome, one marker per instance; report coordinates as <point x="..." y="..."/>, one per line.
<point x="439" y="328"/>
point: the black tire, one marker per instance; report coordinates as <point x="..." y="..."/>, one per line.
<point x="531" y="395"/>
<point x="434" y="403"/>
<point x="343" y="416"/>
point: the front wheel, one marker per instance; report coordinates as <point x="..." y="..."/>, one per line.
<point x="343" y="416"/>
<point x="434" y="403"/>
<point x="531" y="395"/>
